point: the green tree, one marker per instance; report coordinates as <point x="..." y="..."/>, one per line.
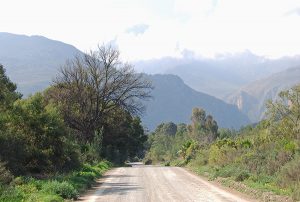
<point x="91" y="86"/>
<point x="285" y="111"/>
<point x="123" y="137"/>
<point x="204" y="128"/>
<point x="35" y="139"/>
<point x="8" y="92"/>
<point x="169" y="128"/>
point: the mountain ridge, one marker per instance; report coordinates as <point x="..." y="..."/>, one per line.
<point x="174" y="101"/>
<point x="221" y="76"/>
<point x="251" y="98"/>
<point x="36" y="58"/>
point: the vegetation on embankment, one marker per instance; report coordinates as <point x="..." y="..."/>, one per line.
<point x="57" y="188"/>
<point x="53" y="143"/>
<point x="259" y="159"/>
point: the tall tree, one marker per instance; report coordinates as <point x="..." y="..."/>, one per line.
<point x="8" y="92"/>
<point x="34" y="139"/>
<point x="123" y="137"/>
<point x="91" y="86"/>
<point x="169" y="128"/>
<point x="204" y="128"/>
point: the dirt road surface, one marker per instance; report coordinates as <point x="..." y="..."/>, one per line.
<point x="155" y="183"/>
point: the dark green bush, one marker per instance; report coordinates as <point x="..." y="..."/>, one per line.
<point x="63" y="189"/>
<point x="167" y="163"/>
<point x="148" y="162"/>
<point x="5" y="175"/>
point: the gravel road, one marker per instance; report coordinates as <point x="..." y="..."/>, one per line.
<point x="155" y="183"/>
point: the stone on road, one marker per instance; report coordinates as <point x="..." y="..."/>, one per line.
<point x="156" y="183"/>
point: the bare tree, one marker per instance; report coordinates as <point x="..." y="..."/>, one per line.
<point x="92" y="85"/>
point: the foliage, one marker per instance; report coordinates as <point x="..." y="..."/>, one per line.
<point x="91" y="86"/>
<point x="41" y="134"/>
<point x="204" y="128"/>
<point x="167" y="128"/>
<point x="91" y="152"/>
<point x="5" y="175"/>
<point x="123" y="137"/>
<point x="37" y="136"/>
<point x="286" y="111"/>
<point x="8" y="92"/>
<point x="264" y="156"/>
<point x="57" y="188"/>
<point x="89" y="114"/>
<point x="63" y="189"/>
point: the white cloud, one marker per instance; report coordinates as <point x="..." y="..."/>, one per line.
<point x="194" y="7"/>
<point x="207" y="27"/>
<point x="138" y="29"/>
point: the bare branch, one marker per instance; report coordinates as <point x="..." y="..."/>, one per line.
<point x="92" y="85"/>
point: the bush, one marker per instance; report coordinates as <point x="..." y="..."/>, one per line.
<point x="296" y="191"/>
<point x="227" y="171"/>
<point x="63" y="189"/>
<point x="44" y="197"/>
<point x="201" y="158"/>
<point x="5" y="175"/>
<point x="148" y="162"/>
<point x="290" y="173"/>
<point x="9" y="194"/>
<point x="242" y="176"/>
<point x="35" y="139"/>
<point x="17" y="181"/>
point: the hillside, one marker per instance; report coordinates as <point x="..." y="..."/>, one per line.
<point x="32" y="61"/>
<point x="220" y="76"/>
<point x="251" y="98"/>
<point x="174" y="100"/>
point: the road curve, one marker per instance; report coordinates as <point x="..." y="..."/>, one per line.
<point x="156" y="183"/>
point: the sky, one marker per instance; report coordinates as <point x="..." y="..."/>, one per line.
<point x="147" y="29"/>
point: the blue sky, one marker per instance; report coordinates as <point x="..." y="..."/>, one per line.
<point x="157" y="28"/>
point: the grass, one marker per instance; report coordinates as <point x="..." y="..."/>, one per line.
<point x="59" y="188"/>
<point x="237" y="178"/>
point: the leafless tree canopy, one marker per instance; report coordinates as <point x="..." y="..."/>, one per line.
<point x="92" y="85"/>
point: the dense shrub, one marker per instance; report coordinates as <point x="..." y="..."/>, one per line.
<point x="35" y="139"/>
<point x="63" y="189"/>
<point x="290" y="173"/>
<point x="5" y="175"/>
<point x="9" y="194"/>
<point x="55" y="189"/>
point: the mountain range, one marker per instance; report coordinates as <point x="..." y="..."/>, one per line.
<point x="230" y="87"/>
<point x="251" y="98"/>
<point x="33" y="61"/>
<point x="220" y="76"/>
<point x="173" y="100"/>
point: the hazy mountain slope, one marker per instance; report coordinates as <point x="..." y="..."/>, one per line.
<point x="251" y="98"/>
<point x="222" y="75"/>
<point x="174" y="101"/>
<point x="32" y="61"/>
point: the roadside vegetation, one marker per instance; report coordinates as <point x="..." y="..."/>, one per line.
<point x="54" y="144"/>
<point x="257" y="159"/>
